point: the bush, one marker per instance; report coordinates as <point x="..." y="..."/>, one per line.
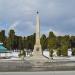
<point x="22" y="53"/>
<point x="51" y="53"/>
<point x="58" y="52"/>
<point x="64" y="50"/>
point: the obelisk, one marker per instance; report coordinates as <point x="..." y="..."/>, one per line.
<point x="37" y="55"/>
<point x="37" y="47"/>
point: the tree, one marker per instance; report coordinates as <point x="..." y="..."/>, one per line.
<point x="31" y="42"/>
<point x="43" y="42"/>
<point x="22" y="54"/>
<point x="51" y="43"/>
<point x="2" y="36"/>
<point x="20" y="43"/>
<point x="66" y="40"/>
<point x="63" y="43"/>
<point x="64" y="50"/>
<point x="51" y="35"/>
<point x="72" y="41"/>
<point x="58" y="43"/>
<point x="73" y="51"/>
<point x="59" y="52"/>
<point x="11" y="39"/>
<point x="25" y="42"/>
<point x="16" y="42"/>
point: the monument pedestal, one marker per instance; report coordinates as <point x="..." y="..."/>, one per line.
<point x="37" y="50"/>
<point x="37" y="56"/>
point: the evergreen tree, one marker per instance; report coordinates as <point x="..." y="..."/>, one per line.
<point x="44" y="42"/>
<point x="10" y="39"/>
<point x="51" y="43"/>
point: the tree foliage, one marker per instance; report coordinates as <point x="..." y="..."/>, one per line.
<point x="51" y="43"/>
<point x="59" y="43"/>
<point x="73" y="51"/>
<point x="44" y="42"/>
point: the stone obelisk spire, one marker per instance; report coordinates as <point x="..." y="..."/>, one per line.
<point x="37" y="46"/>
<point x="37" y="29"/>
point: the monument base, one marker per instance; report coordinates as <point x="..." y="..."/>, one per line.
<point x="37" y="60"/>
<point x="37" y="50"/>
<point x="37" y="55"/>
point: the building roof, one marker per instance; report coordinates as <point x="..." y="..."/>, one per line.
<point x="2" y="48"/>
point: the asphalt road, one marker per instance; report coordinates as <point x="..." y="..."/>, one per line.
<point x="26" y="66"/>
<point x="39" y="73"/>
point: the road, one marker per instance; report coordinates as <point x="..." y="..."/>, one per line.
<point x="26" y="66"/>
<point x="40" y="73"/>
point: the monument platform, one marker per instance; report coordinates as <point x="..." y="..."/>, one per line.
<point x="37" y="59"/>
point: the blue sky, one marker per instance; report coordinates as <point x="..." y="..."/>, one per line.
<point x="55" y="15"/>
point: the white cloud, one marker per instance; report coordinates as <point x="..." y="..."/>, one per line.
<point x="13" y="26"/>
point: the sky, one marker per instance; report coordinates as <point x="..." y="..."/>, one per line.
<point x="55" y="15"/>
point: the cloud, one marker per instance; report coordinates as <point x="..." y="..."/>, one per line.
<point x="25" y="28"/>
<point x="57" y="15"/>
<point x="13" y="26"/>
